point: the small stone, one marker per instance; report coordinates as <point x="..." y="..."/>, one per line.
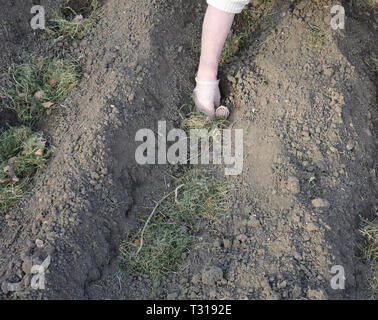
<point x="26" y="280"/>
<point x="94" y="175"/>
<point x="301" y="5"/>
<point x="226" y="243"/>
<point x="320" y="203"/>
<point x="297" y="256"/>
<point x="293" y="185"/>
<point x="316" y="295"/>
<point x="39" y="243"/>
<point x="350" y="146"/>
<point x="213" y="294"/>
<point x="282" y="285"/>
<point x="39" y="94"/>
<point x="311" y="227"/>
<point x="172" y="296"/>
<point x="328" y="72"/>
<point x="196" y="279"/>
<point x="257" y="3"/>
<point x="27" y="265"/>
<point x="296" y="292"/>
<point x="12" y="223"/>
<point x="242" y="238"/>
<point x="193" y="296"/>
<point x="212" y="275"/>
<point x="253" y="222"/>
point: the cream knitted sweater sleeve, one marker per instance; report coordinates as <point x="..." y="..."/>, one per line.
<point x="231" y="6"/>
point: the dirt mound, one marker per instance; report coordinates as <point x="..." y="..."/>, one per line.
<point x="294" y="212"/>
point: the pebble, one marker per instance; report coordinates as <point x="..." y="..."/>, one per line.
<point x="293" y="185"/>
<point x="301" y="5"/>
<point x="350" y="146"/>
<point x="328" y="72"/>
<point x="242" y="238"/>
<point x="12" y="223"/>
<point x="316" y="295"/>
<point x="311" y="227"/>
<point x="320" y="203"/>
<point x="27" y="265"/>
<point x="196" y="279"/>
<point x="253" y="222"/>
<point x="256" y="3"/>
<point x="94" y="175"/>
<point x="39" y="243"/>
<point x="39" y="95"/>
<point x="212" y="275"/>
<point x="297" y="256"/>
<point x="172" y="296"/>
<point x="226" y="243"/>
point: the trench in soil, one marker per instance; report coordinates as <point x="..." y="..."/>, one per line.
<point x="298" y="110"/>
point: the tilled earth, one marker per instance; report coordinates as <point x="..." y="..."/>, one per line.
<point x="309" y="120"/>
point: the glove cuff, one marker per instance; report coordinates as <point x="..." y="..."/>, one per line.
<point x="216" y="82"/>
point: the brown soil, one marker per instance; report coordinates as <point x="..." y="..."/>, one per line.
<point x="304" y="114"/>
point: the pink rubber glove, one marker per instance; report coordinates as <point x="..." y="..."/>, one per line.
<point x="207" y="96"/>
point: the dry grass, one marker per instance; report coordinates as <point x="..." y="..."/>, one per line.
<point x="370" y="232"/>
<point x="373" y="4"/>
<point x="232" y="46"/>
<point x="74" y="24"/>
<point x="25" y="153"/>
<point x="31" y="85"/>
<point x="197" y="197"/>
<point x="315" y="40"/>
<point x="192" y="118"/>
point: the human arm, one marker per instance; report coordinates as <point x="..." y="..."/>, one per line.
<point x="216" y="26"/>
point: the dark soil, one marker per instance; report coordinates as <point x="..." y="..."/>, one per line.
<point x="309" y="121"/>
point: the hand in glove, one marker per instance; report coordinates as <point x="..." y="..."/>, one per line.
<point x="207" y="96"/>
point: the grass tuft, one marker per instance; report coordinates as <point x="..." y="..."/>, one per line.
<point x="374" y="62"/>
<point x="37" y="86"/>
<point x="74" y="24"/>
<point x="370" y="232"/>
<point x="245" y="25"/>
<point x="24" y="152"/>
<point x="232" y="46"/>
<point x="315" y="40"/>
<point x="192" y="118"/>
<point x="199" y="197"/>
